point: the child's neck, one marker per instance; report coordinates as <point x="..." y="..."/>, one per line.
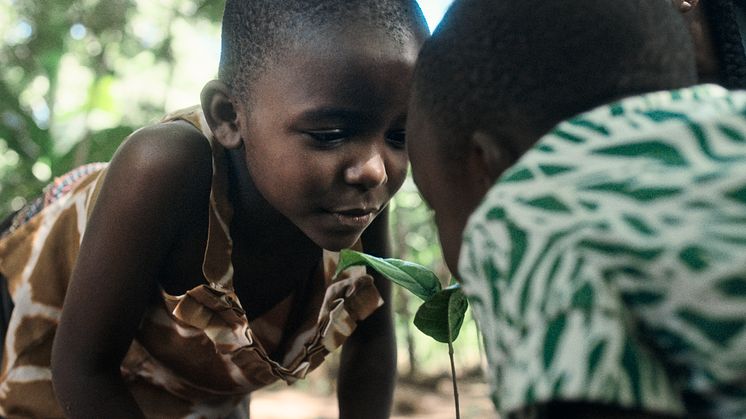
<point x="256" y="221"/>
<point x="271" y="256"/>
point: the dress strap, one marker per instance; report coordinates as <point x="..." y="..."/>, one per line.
<point x="217" y="265"/>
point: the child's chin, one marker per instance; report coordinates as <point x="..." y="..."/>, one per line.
<point x="337" y="243"/>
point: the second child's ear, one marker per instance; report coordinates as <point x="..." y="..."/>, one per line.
<point x="220" y="113"/>
<point x="685" y="5"/>
<point x="488" y="156"/>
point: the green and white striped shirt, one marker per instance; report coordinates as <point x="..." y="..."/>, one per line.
<point x="609" y="264"/>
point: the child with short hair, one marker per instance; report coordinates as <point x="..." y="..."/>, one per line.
<point x="592" y="204"/>
<point x="197" y="266"/>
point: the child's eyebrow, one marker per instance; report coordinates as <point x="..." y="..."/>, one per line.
<point x="334" y="113"/>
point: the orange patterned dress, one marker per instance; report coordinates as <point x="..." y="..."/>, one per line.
<point x="195" y="355"/>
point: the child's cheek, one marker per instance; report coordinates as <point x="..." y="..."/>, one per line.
<point x="397" y="172"/>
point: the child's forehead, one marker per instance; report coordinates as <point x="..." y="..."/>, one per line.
<point x="363" y="44"/>
<point x="358" y="61"/>
<point x="360" y="74"/>
<point x="357" y="31"/>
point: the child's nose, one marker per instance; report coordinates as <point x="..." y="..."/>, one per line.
<point x="369" y="172"/>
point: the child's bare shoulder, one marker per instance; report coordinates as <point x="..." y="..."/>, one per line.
<point x="167" y="145"/>
<point x="169" y="151"/>
<point x="162" y="164"/>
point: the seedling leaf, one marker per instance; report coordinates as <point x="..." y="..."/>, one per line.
<point x="441" y="316"/>
<point x="419" y="280"/>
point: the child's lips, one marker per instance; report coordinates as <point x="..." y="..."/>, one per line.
<point x="354" y="217"/>
<point x="356" y="211"/>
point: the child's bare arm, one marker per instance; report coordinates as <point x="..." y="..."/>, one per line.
<point x="368" y="365"/>
<point x="152" y="185"/>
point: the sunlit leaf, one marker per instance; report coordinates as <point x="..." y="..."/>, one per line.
<point x="100" y="95"/>
<point x="419" y="280"/>
<point x="441" y="316"/>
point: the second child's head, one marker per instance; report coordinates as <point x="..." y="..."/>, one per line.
<point x="497" y="75"/>
<point x="314" y="95"/>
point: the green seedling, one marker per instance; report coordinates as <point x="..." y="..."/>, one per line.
<point x="442" y="312"/>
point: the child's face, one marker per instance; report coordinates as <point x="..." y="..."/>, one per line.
<point x="324" y="132"/>
<point x="452" y="187"/>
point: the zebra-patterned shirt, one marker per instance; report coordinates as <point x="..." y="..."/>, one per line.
<point x="609" y="264"/>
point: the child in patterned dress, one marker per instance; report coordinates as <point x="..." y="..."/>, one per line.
<point x="591" y="200"/>
<point x="197" y="265"/>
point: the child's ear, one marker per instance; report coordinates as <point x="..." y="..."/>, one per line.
<point x="488" y="156"/>
<point x="685" y="5"/>
<point x="220" y="113"/>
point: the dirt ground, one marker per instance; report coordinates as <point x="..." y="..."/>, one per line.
<point x="434" y="401"/>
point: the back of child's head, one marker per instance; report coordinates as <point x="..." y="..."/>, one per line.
<point x="728" y="46"/>
<point x="517" y="68"/>
<point x="256" y="33"/>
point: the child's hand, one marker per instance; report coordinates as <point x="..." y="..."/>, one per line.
<point x="685" y="5"/>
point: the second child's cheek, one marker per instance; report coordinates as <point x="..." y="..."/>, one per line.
<point x="396" y="179"/>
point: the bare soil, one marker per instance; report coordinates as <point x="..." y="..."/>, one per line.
<point x="432" y="400"/>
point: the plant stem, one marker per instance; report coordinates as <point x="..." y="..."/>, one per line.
<point x="453" y="379"/>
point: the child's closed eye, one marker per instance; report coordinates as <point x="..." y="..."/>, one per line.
<point x="329" y="137"/>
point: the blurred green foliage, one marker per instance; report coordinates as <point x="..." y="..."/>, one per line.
<point x="61" y="69"/>
<point x="78" y="76"/>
